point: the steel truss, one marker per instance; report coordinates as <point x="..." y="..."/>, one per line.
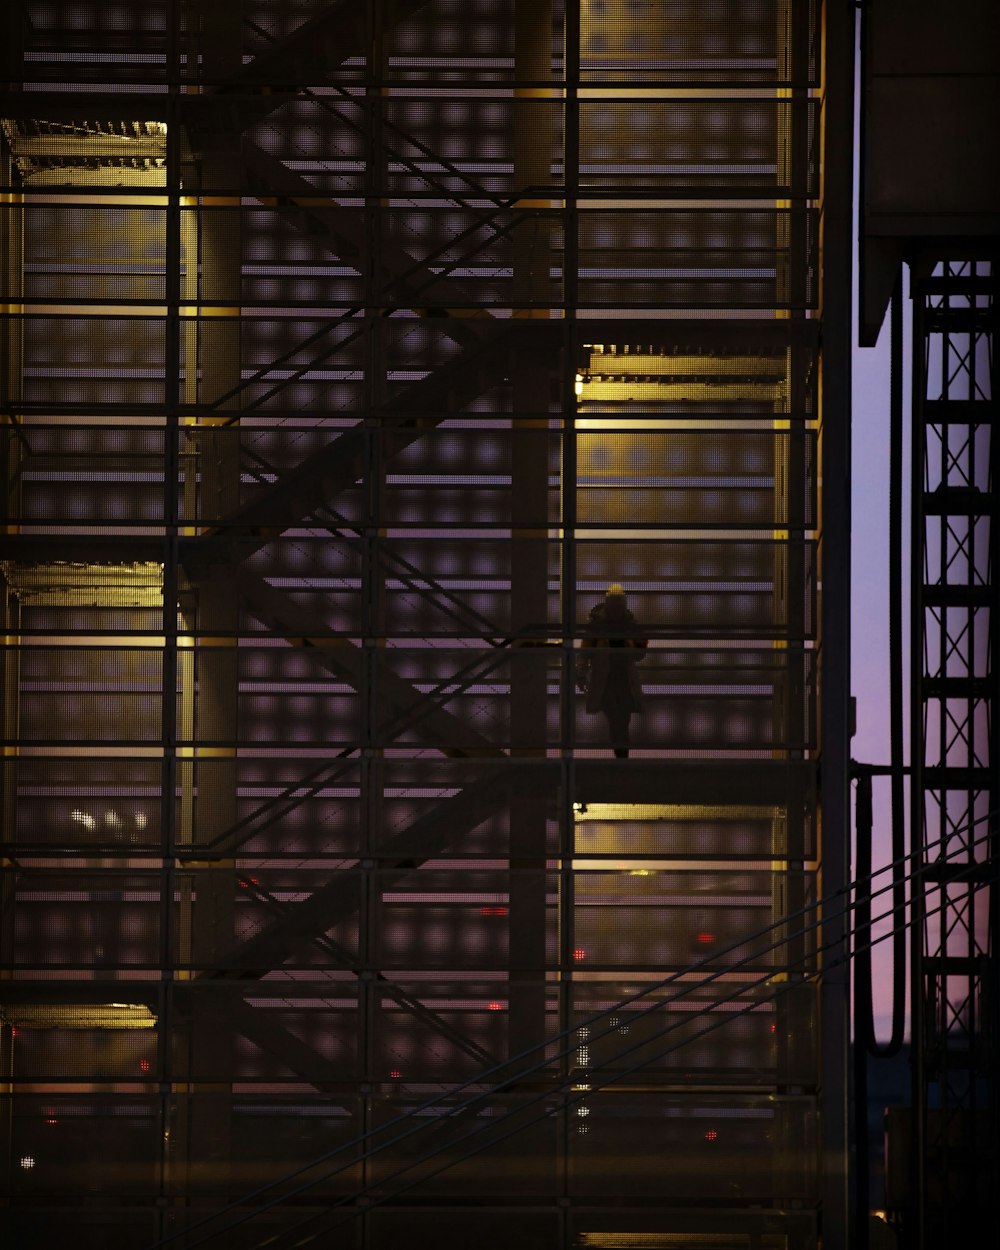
<point x="353" y="350"/>
<point x="955" y="787"/>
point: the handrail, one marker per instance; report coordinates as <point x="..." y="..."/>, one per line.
<point x="839" y="903"/>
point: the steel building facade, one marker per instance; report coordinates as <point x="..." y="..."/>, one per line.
<point x="351" y="351"/>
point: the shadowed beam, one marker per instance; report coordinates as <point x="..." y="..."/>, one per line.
<point x="300" y="791"/>
<point x="329" y="38"/>
<point x="270" y="1035"/>
<point x="315" y="482"/>
<point x="428" y="836"/>
<point x="342" y="231"/>
<point x="306" y="57"/>
<point x="257" y="1024"/>
<point x="304" y="627"/>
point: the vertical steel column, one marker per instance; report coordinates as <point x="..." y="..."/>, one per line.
<point x="373" y="586"/>
<point x="572" y="355"/>
<point x="531" y="377"/>
<point x="11" y="381"/>
<point x="173" y="366"/>
<point x="217" y="654"/>
<point x="835" y="467"/>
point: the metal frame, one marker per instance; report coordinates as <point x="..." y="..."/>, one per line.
<point x="954" y="794"/>
<point x="361" y="393"/>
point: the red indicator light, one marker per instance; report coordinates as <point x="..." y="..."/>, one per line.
<point x="706" y="939"/>
<point x="711" y="1135"/>
<point x="51" y="1121"/>
<point x="495" y="1006"/>
<point x="579" y="953"/>
<point x="144" y="1065"/>
<point x="774" y="1028"/>
<point x="395" y="1074"/>
<point x="493" y="911"/>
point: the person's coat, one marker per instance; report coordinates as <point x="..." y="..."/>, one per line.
<point x="607" y="659"/>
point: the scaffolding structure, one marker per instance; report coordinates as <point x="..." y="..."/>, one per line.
<point x="350" y="353"/>
<point x="931" y="208"/>
<point x="951" y="1133"/>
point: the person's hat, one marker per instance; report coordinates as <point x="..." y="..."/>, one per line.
<point x="615" y="591"/>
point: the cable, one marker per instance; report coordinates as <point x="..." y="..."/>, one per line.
<point x="469" y="1104"/>
<point x="821" y="907"/>
<point x="548" y="1093"/>
<point x="568" y="1100"/>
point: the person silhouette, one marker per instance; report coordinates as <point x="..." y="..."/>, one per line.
<point x="610" y="649"/>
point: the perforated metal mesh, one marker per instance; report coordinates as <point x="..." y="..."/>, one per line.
<point x="351" y="353"/>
